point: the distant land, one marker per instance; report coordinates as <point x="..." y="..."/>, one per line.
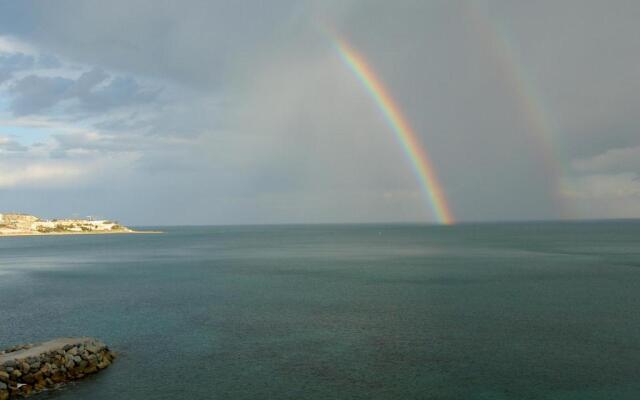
<point x="29" y="225"/>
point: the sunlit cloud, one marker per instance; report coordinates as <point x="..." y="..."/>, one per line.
<point x="40" y="174"/>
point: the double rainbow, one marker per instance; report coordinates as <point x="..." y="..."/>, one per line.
<point x="409" y="141"/>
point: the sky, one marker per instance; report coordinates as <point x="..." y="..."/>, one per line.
<point x="243" y="112"/>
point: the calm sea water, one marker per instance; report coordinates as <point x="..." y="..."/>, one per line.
<point x="488" y="311"/>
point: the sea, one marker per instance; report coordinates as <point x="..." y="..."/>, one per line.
<point x="538" y="310"/>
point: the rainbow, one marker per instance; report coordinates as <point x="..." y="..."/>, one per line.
<point x="527" y="99"/>
<point x="407" y="138"/>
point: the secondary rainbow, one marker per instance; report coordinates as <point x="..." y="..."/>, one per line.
<point x="405" y="135"/>
<point x="527" y="98"/>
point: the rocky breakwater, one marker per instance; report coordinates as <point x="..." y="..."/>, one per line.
<point x="29" y="369"/>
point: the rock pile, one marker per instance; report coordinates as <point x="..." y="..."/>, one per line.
<point x="30" y="369"/>
<point x="16" y="348"/>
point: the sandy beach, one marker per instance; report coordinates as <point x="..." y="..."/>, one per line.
<point x="16" y="234"/>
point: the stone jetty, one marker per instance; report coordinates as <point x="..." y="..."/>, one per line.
<point x="28" y="369"/>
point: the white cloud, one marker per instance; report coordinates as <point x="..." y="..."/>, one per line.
<point x="80" y="168"/>
<point x="615" y="160"/>
<point x="606" y="195"/>
<point x="40" y="173"/>
<point x="10" y="44"/>
<point x="43" y="122"/>
<point x="606" y="184"/>
<point x="10" y="144"/>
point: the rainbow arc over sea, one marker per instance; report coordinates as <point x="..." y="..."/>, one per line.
<point x="528" y="100"/>
<point x="405" y="135"/>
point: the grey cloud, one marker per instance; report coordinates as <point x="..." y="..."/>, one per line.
<point x="579" y="56"/>
<point x="10" y="63"/>
<point x="197" y="44"/>
<point x="119" y="92"/>
<point x="10" y="145"/>
<point x="13" y="62"/>
<point x="260" y="121"/>
<point x="132" y="121"/>
<point x="84" y="85"/>
<point x="612" y="161"/>
<point x="90" y="142"/>
<point x="33" y="94"/>
<point x="93" y="91"/>
<point x="153" y="155"/>
<point x="48" y="61"/>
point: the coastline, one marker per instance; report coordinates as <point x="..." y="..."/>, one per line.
<point x="132" y="232"/>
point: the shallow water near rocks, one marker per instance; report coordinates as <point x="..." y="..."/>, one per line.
<point x="486" y="311"/>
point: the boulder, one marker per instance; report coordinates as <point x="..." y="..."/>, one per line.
<point x="28" y="369"/>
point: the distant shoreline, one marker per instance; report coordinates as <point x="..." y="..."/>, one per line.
<point x="79" y="233"/>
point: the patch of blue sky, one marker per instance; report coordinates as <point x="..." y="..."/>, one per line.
<point x="25" y="135"/>
<point x="4" y="102"/>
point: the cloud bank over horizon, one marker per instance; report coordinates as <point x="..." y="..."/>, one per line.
<point x="243" y="112"/>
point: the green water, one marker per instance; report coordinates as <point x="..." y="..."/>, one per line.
<point x="487" y="311"/>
